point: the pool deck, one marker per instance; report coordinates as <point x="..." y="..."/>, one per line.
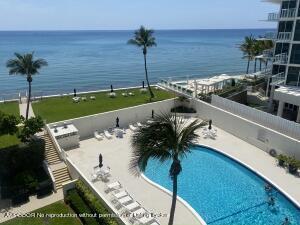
<point x="117" y="152"/>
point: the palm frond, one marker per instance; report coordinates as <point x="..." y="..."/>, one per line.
<point x="164" y="139"/>
<point x="25" y="64"/>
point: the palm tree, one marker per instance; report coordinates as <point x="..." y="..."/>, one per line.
<point x="247" y="49"/>
<point x="167" y="138"/>
<point x="25" y="65"/>
<point x="143" y="38"/>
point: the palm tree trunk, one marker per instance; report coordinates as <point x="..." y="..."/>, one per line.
<point x="28" y="99"/>
<point x="147" y="80"/>
<point x="248" y="65"/>
<point x="174" y="198"/>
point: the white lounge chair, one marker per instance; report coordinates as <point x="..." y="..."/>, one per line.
<point x="133" y="128"/>
<point x="125" y="200"/>
<point x="132" y="207"/>
<point x="76" y="99"/>
<point x="107" y="134"/>
<point x="131" y="94"/>
<point x="113" y="186"/>
<point x="92" y="97"/>
<point x="139" y="124"/>
<point x="98" y="135"/>
<point x="154" y="223"/>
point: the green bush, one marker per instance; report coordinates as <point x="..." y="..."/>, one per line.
<point x="95" y="204"/>
<point x="183" y="109"/>
<point x="291" y="162"/>
<point x="79" y="206"/>
<point x="282" y="160"/>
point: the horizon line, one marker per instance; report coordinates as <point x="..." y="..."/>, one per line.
<point x="167" y="29"/>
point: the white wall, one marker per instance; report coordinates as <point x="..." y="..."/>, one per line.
<point x="248" y="130"/>
<point x="87" y="125"/>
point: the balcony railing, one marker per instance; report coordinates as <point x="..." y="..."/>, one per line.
<point x="288" y="13"/>
<point x="281" y="58"/>
<point x="278" y="79"/>
<point x="284" y="36"/>
<point x="273" y="16"/>
<point x="268" y="53"/>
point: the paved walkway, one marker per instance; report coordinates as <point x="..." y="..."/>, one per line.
<point x="33" y="204"/>
<point x="23" y="106"/>
<point x="116" y="154"/>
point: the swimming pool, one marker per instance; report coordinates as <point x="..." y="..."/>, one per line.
<point x="224" y="192"/>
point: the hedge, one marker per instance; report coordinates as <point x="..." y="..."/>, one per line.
<point x="79" y="206"/>
<point x="94" y="203"/>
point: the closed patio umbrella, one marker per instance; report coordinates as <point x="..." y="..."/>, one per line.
<point x="152" y="114"/>
<point x="117" y="122"/>
<point x="100" y="161"/>
<point x="75" y="92"/>
<point x="143" y="84"/>
<point x="111" y="88"/>
<point x="209" y="124"/>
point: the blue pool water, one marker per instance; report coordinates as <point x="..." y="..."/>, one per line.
<point x="223" y="191"/>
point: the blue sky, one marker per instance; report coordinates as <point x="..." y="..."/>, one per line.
<point x="129" y="14"/>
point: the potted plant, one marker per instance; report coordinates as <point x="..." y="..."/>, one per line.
<point x="293" y="165"/>
<point x="281" y="160"/>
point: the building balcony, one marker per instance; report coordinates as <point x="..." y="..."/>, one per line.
<point x="268" y="53"/>
<point x="284" y="36"/>
<point x="280" y="59"/>
<point x="288" y="13"/>
<point x="278" y="79"/>
<point x="273" y="17"/>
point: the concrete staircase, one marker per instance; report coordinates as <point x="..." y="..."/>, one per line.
<point x="61" y="175"/>
<point x="57" y="166"/>
<point x="51" y="154"/>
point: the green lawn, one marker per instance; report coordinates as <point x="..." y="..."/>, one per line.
<point x="8" y="140"/>
<point x="63" y="108"/>
<point x="10" y="108"/>
<point x="55" y="208"/>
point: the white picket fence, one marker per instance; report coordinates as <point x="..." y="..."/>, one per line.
<point x="276" y="123"/>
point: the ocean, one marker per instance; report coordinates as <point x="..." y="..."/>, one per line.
<point x="93" y="60"/>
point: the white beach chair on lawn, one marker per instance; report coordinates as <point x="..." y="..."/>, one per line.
<point x="113" y="186"/>
<point x="133" y="128"/>
<point x="107" y="134"/>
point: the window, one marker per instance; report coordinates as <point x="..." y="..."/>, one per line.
<point x="297" y="31"/>
<point x="282" y="48"/>
<point x="285" y="26"/>
<point x="293" y="76"/>
<point x="295" y="55"/>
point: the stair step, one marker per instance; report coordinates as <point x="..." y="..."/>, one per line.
<point x="60" y="170"/>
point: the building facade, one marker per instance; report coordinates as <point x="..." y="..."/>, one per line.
<point x="284" y="84"/>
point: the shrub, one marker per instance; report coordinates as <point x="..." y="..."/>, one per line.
<point x="79" y="206"/>
<point x="95" y="204"/>
<point x="183" y="109"/>
<point x="293" y="165"/>
<point x="282" y="159"/>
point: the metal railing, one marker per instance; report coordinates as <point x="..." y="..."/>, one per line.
<point x="276" y="123"/>
<point x="288" y="13"/>
<point x="273" y="16"/>
<point x="284" y="36"/>
<point x="268" y="53"/>
<point x="280" y="58"/>
<point x="278" y="79"/>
